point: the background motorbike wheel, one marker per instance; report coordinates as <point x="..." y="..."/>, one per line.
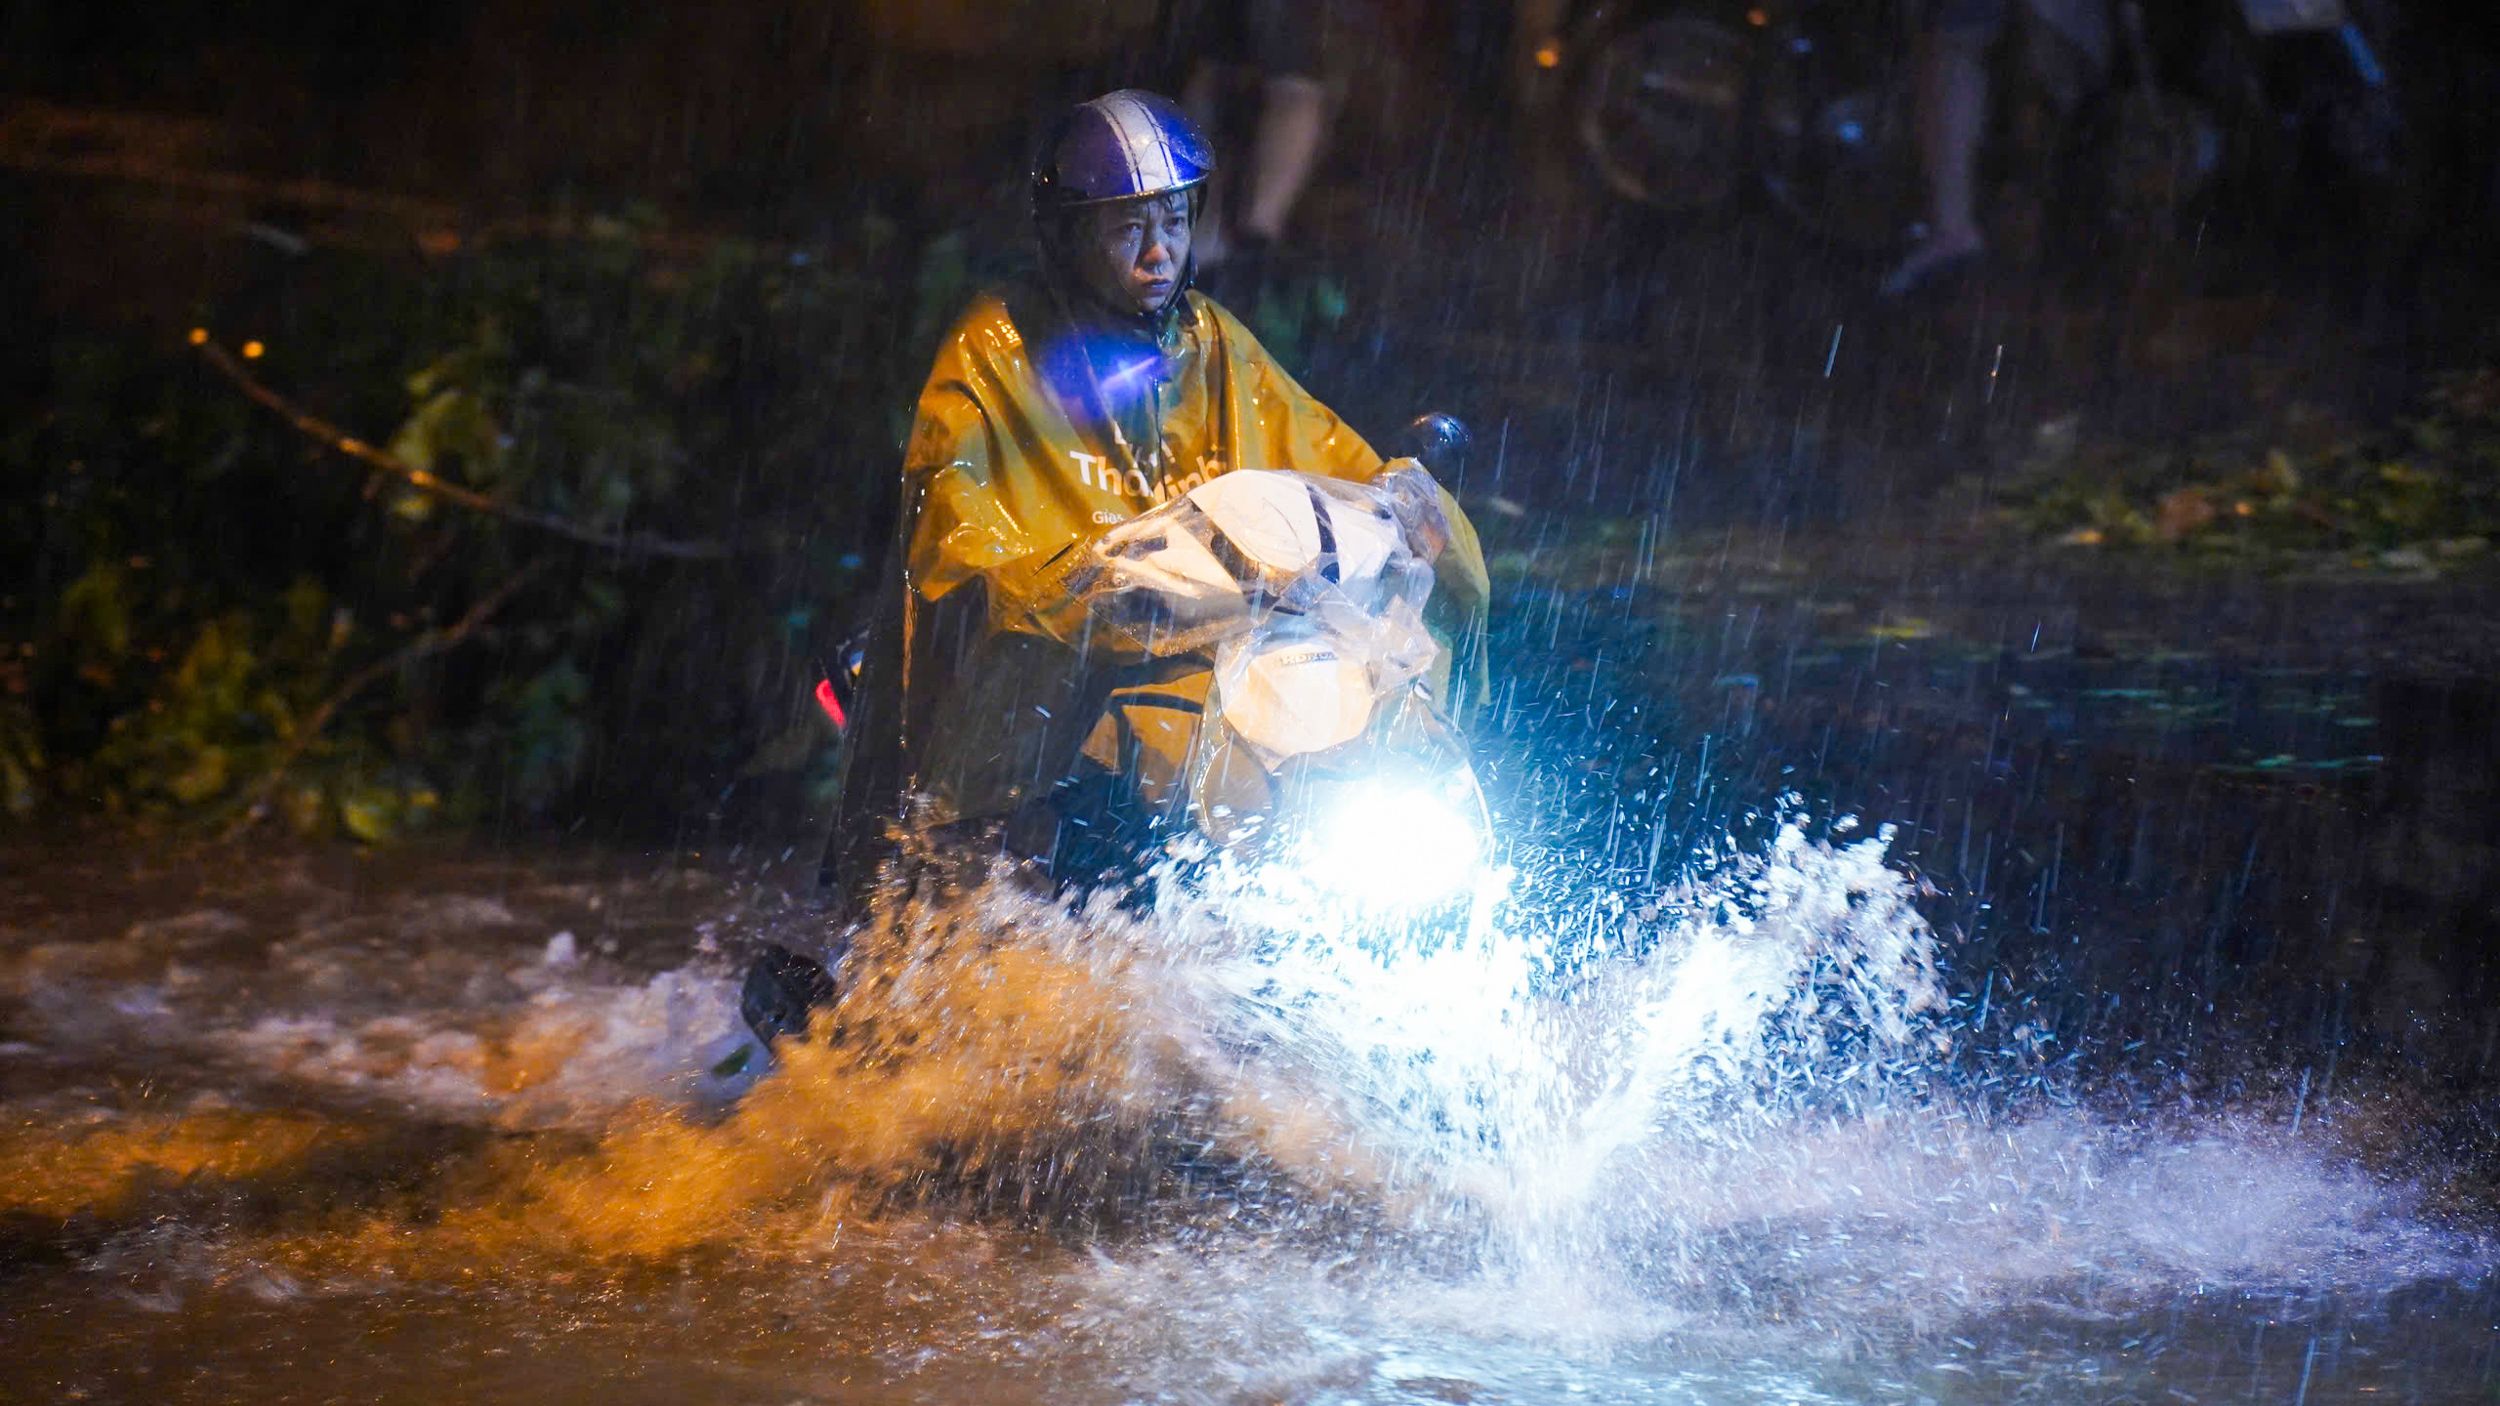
<point x="1689" y="109"/>
<point x="1658" y="107"/>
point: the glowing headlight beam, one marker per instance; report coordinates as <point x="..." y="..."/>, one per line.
<point x="1382" y="845"/>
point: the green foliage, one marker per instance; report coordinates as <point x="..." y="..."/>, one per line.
<point x="216" y="707"/>
<point x="2408" y="497"/>
<point x="200" y="734"/>
<point x="544" y="723"/>
<point x="451" y="430"/>
<point x="191" y="583"/>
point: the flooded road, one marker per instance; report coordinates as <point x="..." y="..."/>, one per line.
<point x="1924" y="976"/>
<point x="1970" y="1073"/>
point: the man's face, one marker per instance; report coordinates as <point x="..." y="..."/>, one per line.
<point x="1133" y="251"/>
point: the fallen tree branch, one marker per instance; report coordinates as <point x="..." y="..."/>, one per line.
<point x="340" y="442"/>
<point x="429" y="642"/>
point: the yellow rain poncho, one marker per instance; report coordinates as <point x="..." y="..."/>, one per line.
<point x="1021" y="451"/>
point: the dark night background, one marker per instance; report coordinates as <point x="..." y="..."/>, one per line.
<point x="441" y="444"/>
<point x="675" y="270"/>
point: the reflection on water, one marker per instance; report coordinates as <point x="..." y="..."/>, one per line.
<point x="328" y="1131"/>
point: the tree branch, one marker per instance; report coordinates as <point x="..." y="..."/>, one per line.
<point x="427" y="643"/>
<point x="339" y="441"/>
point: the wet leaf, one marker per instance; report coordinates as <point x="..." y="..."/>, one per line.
<point x="370" y="813"/>
<point x="210" y="770"/>
<point x="2278" y="476"/>
<point x="306" y="809"/>
<point x="2182" y="512"/>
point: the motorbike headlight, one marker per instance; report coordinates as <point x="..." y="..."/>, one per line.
<point x="1385" y="845"/>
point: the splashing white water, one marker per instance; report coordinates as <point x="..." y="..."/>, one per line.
<point x="1459" y="1069"/>
<point x="1748" y="1114"/>
<point x="1737" y="1120"/>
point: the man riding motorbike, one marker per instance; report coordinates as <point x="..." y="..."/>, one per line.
<point x="1058" y="407"/>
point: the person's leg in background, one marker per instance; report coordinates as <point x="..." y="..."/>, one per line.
<point x="1283" y="45"/>
<point x="1205" y="97"/>
<point x="1293" y="126"/>
<point x="1952" y="121"/>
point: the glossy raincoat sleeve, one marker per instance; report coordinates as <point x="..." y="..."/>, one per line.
<point x="962" y="526"/>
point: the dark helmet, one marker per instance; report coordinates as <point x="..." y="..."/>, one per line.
<point x="1120" y="146"/>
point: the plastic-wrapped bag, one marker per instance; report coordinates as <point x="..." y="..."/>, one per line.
<point x="1308" y="596"/>
<point x="1211" y="565"/>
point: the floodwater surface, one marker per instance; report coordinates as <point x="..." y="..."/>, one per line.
<point x="1777" y="1119"/>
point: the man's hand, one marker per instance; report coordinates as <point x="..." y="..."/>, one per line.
<point x="1416" y="500"/>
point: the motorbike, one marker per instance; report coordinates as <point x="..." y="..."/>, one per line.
<point x="1695" y="108"/>
<point x="1282" y="755"/>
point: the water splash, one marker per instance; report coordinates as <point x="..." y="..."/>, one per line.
<point x="998" y="1045"/>
<point x="1739" y="1122"/>
<point x="1465" y="1073"/>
